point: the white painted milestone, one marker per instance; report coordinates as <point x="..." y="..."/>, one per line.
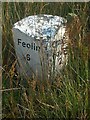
<point x="40" y="44"/>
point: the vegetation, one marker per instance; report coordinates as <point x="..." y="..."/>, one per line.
<point x="68" y="96"/>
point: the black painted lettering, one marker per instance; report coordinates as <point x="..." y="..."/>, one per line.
<point x="28" y="57"/>
<point x="31" y="45"/>
<point x="34" y="46"/>
<point x="28" y="45"/>
<point x="19" y="41"/>
<point x="38" y="48"/>
<point x="23" y="44"/>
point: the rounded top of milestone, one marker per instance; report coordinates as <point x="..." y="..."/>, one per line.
<point x="41" y="26"/>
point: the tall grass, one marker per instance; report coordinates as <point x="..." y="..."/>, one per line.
<point x="68" y="96"/>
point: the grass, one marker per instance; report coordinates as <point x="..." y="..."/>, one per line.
<point x="68" y="95"/>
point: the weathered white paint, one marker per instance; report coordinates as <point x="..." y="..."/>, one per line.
<point x="38" y="39"/>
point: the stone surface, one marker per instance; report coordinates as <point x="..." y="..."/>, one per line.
<point x="40" y="44"/>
